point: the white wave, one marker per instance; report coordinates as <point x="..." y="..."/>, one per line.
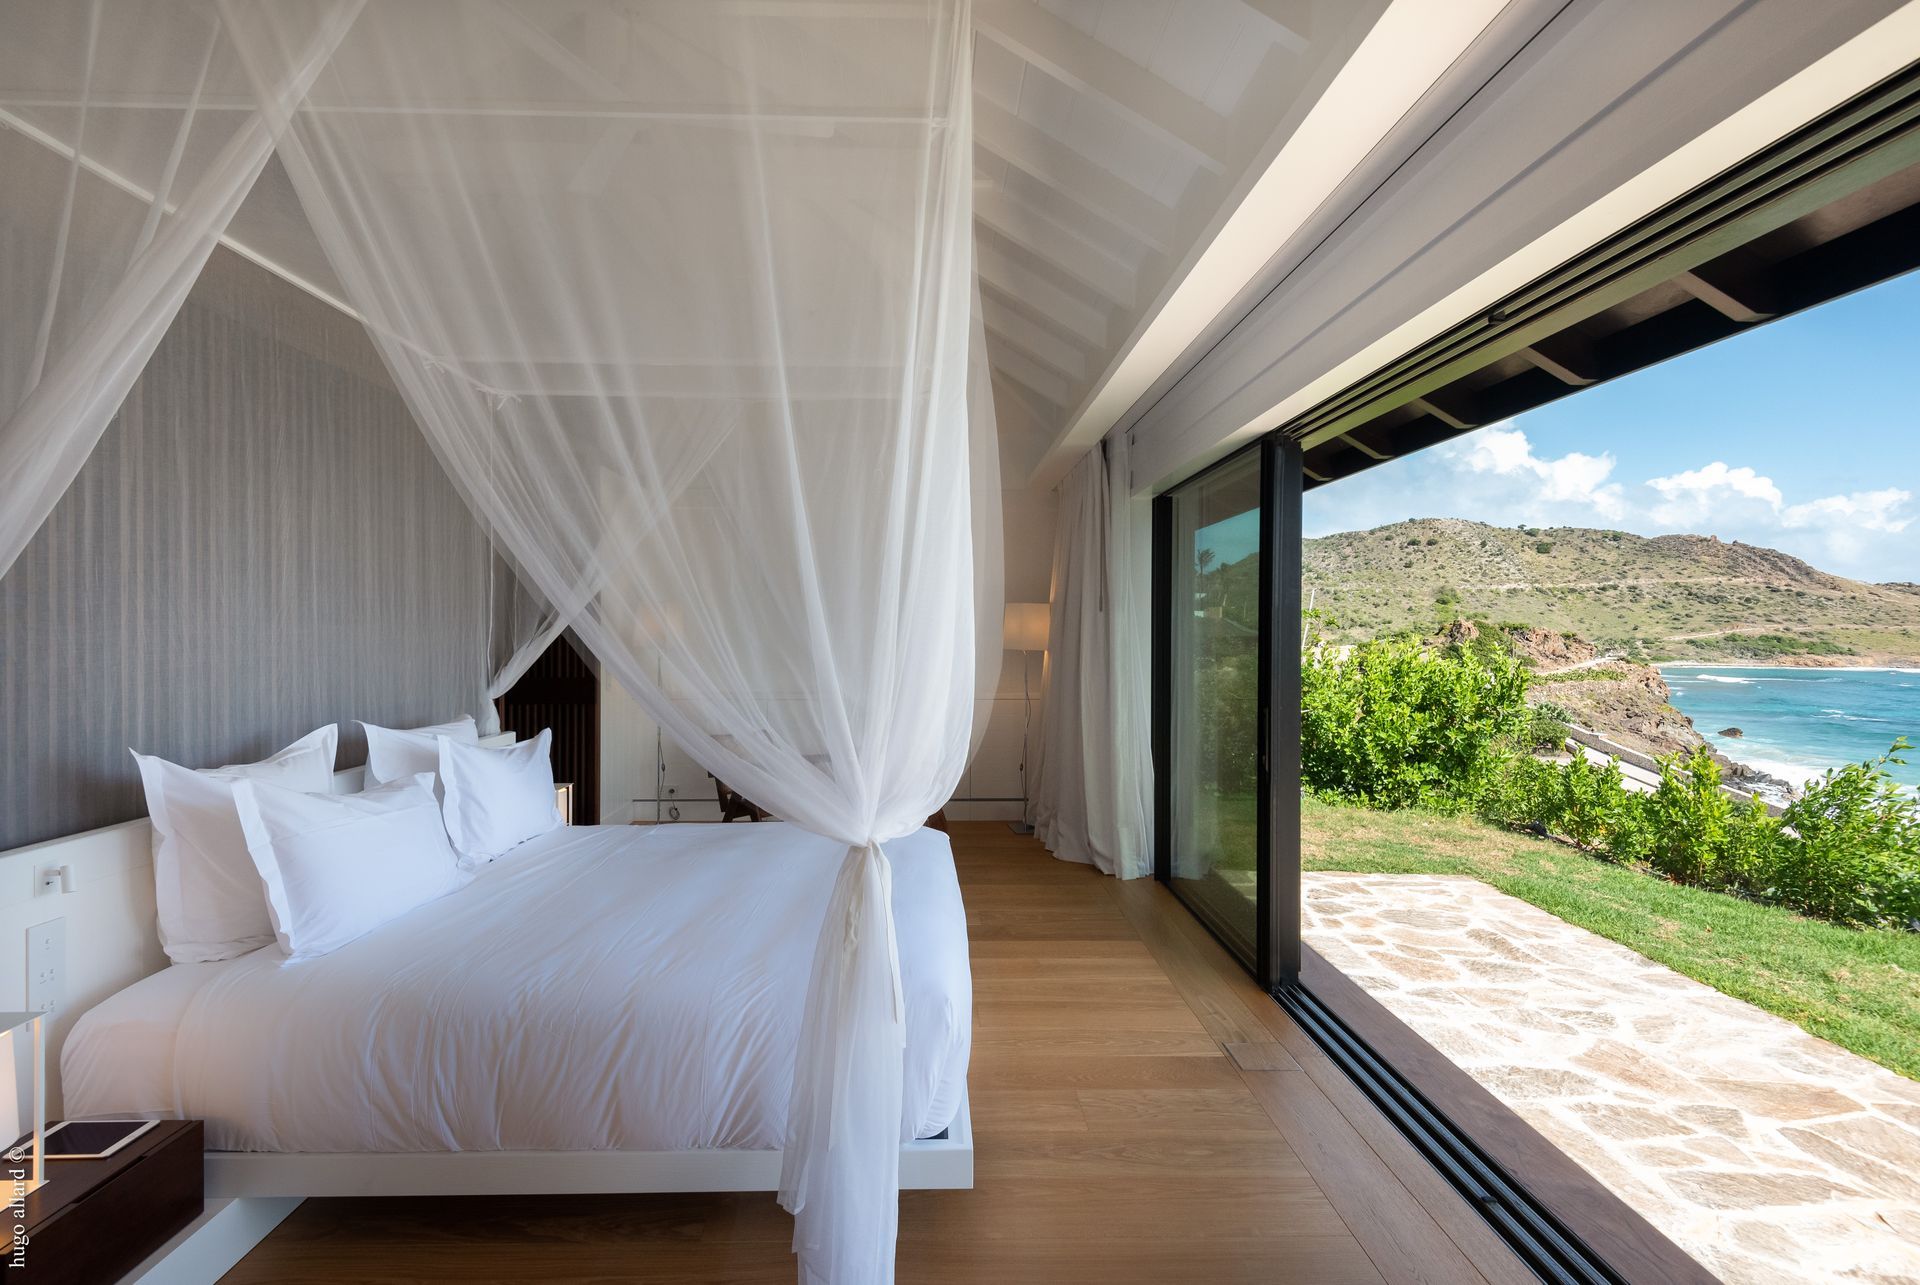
<point x="1719" y="678"/>
<point x="1794" y="774"/>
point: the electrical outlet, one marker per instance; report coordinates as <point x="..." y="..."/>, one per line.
<point x="46" y="965"/>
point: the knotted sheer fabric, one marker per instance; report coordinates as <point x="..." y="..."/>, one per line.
<point x="681" y="293"/>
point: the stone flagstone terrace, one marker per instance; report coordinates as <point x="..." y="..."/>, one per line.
<point x="1770" y="1155"/>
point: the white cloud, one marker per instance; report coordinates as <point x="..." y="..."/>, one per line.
<point x="1700" y="493"/>
<point x="1871" y="510"/>
<point x="1495" y="476"/>
<point x="1834" y="532"/>
<point x="1573" y="478"/>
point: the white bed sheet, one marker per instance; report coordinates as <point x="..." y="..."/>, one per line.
<point x="606" y="987"/>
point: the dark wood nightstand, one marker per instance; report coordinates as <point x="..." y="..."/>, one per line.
<point x="94" y="1220"/>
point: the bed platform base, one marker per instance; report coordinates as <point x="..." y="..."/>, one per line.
<point x="935" y="1164"/>
<point x="249" y="1193"/>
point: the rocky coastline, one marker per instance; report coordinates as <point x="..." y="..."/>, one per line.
<point x="1625" y="702"/>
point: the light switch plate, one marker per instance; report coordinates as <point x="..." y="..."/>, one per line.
<point x="46" y="965"/>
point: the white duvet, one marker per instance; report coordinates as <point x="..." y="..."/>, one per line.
<point x="610" y="987"/>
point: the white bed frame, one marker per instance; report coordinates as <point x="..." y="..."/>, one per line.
<point x="111" y="943"/>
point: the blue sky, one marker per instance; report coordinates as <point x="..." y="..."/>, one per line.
<point x="1803" y="435"/>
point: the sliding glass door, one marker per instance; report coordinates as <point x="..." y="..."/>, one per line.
<point x="1227" y="702"/>
<point x="1212" y="624"/>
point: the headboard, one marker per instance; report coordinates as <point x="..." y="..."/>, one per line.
<point x="111" y="938"/>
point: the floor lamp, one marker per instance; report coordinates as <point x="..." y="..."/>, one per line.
<point x="1024" y="629"/>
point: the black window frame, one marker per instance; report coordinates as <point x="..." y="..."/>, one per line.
<point x="1275" y="958"/>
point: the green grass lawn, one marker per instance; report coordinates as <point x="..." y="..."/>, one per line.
<point x="1859" y="989"/>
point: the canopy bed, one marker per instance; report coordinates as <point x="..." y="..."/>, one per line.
<point x="694" y="332"/>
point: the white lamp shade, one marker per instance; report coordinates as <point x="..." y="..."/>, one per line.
<point x="1025" y="626"/>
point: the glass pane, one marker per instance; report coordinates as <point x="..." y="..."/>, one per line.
<point x="1215" y="658"/>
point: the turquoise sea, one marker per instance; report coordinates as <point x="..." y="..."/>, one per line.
<point x="1800" y="722"/>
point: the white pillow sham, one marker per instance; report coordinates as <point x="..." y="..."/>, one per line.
<point x="395" y="753"/>
<point x="337" y="866"/>
<point x="497" y="799"/>
<point x="205" y="886"/>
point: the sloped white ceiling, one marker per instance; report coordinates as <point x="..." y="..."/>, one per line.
<point x="1110" y="135"/>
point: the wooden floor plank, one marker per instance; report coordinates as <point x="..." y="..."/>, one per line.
<point x="1399" y="1235"/>
<point x="1427" y="1231"/>
<point x="1463" y="1226"/>
<point x="1263" y="1055"/>
<point x="1118" y="1139"/>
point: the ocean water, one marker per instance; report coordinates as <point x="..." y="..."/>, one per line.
<point x="1800" y="722"/>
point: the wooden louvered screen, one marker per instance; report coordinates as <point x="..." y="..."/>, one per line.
<point x="561" y="691"/>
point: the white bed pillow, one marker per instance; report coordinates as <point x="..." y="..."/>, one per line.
<point x="394" y="753"/>
<point x="204" y="884"/>
<point x="337" y="866"/>
<point x="497" y="799"/>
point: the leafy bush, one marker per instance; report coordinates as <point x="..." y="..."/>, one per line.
<point x="1522" y="792"/>
<point x="1395" y="725"/>
<point x="1547" y="725"/>
<point x="1590" y="801"/>
<point x="1688" y="817"/>
<point x="1848" y="850"/>
<point x="1855" y="849"/>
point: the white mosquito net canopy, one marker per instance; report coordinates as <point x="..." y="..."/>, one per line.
<point x="681" y="293"/>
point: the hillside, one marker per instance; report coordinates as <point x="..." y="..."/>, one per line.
<point x="1675" y="597"/>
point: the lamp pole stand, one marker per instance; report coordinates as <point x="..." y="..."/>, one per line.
<point x="1023" y="826"/>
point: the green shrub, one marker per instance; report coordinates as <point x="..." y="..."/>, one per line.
<point x="1522" y="792"/>
<point x="1395" y="725"/>
<point x="1590" y="801"/>
<point x="1547" y="725"/>
<point x="1688" y="817"/>
<point x="1855" y="852"/>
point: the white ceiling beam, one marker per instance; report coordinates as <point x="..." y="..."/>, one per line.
<point x="1040" y="411"/>
<point x="1083" y="64"/>
<point x="1292" y="21"/>
<point x="1013" y="362"/>
<point x="593" y="173"/>
<point x="1036" y="340"/>
<point x="1059" y="245"/>
<point x="1398" y="60"/>
<point x="1025" y="425"/>
<point x="1012" y="346"/>
<point x="821" y="123"/>
<point x="841" y="9"/>
<point x="1066" y="310"/>
<point x="683" y="380"/>
<point x="1086" y="344"/>
<point x="1037" y="154"/>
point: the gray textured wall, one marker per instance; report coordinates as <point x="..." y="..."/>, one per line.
<point x="262" y="543"/>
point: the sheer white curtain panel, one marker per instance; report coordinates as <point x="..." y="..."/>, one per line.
<point x="1092" y="799"/>
<point x="681" y="294"/>
<point x="128" y="138"/>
